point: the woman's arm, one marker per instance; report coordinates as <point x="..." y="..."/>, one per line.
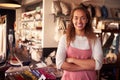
<point x="84" y="64"/>
<point x="97" y="54"/>
<point x="95" y="63"/>
<point x="61" y="57"/>
<point x="70" y="66"/>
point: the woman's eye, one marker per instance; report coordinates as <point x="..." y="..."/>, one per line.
<point x="75" y="18"/>
<point x="83" y="18"/>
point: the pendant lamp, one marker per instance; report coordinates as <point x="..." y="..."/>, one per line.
<point x="87" y="0"/>
<point x="9" y="4"/>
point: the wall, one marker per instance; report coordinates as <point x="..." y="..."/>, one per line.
<point x="48" y="25"/>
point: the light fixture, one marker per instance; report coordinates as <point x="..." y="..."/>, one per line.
<point x="87" y="0"/>
<point x="9" y="4"/>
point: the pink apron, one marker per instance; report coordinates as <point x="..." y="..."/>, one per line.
<point x="79" y="75"/>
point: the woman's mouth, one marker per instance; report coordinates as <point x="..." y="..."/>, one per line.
<point x="80" y="25"/>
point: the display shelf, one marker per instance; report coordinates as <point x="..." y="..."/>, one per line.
<point x="31" y="24"/>
<point x="110" y="30"/>
<point x="110" y="18"/>
<point x="32" y="20"/>
<point x="109" y="71"/>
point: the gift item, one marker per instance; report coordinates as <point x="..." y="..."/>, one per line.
<point x="109" y="41"/>
<point x="113" y="26"/>
<point x="46" y="73"/>
<point x="98" y="11"/>
<point x="60" y="29"/>
<point x="91" y="10"/>
<point x="65" y="9"/>
<point x="3" y="38"/>
<point x="74" y="5"/>
<point x="26" y="73"/>
<point x="104" y="12"/>
<point x="56" y="9"/>
<point x="36" y="55"/>
<point x="111" y="57"/>
<point x="50" y="60"/>
<point x="17" y="69"/>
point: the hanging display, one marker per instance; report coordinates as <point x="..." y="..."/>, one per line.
<point x="3" y="37"/>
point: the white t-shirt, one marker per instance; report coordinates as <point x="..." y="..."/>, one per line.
<point x="80" y="42"/>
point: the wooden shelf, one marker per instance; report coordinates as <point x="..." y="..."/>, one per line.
<point x="114" y="31"/>
<point x="31" y="20"/>
<point x="110" y="18"/>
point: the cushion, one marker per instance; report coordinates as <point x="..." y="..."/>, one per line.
<point x="97" y="11"/>
<point x="65" y="8"/>
<point x="56" y="9"/>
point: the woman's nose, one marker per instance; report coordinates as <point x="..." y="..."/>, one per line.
<point x="79" y="20"/>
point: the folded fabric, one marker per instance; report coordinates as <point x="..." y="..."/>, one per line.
<point x="60" y="29"/>
<point x="117" y="44"/>
<point x="48" y="75"/>
<point x="98" y="11"/>
<point x="104" y="12"/>
<point x="105" y="37"/>
<point x="91" y="10"/>
<point x="109" y="41"/>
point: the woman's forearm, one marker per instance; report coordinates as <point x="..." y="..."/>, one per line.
<point x="70" y="67"/>
<point x="84" y="64"/>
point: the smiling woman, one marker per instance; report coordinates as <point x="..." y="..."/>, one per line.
<point x="79" y="52"/>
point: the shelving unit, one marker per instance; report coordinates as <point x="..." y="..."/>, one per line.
<point x="113" y="31"/>
<point x="31" y="27"/>
<point x="30" y="31"/>
<point x="110" y="70"/>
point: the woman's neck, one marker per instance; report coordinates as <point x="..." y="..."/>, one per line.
<point x="80" y="32"/>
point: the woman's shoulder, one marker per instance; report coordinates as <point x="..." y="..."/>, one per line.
<point x="63" y="36"/>
<point x="62" y="40"/>
<point x="97" y="41"/>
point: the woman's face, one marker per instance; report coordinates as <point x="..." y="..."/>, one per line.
<point x="79" y="20"/>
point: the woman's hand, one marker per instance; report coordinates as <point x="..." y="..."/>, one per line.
<point x="84" y="64"/>
<point x="70" y="60"/>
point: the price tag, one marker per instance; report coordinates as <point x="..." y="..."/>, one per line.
<point x="42" y="77"/>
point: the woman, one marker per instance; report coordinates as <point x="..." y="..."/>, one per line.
<point x="79" y="52"/>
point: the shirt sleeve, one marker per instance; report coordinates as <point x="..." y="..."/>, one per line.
<point x="97" y="54"/>
<point x="61" y="52"/>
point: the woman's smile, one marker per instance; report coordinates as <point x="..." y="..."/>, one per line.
<point x="80" y="25"/>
